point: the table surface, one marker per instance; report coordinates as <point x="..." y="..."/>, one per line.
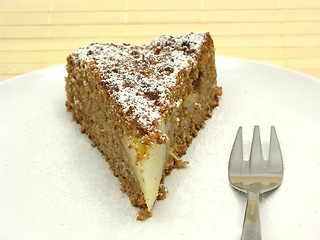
<point x="41" y="33"/>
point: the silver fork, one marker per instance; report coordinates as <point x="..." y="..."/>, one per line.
<point x="255" y="176"/>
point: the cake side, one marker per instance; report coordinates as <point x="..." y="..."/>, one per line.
<point x="197" y="99"/>
<point x="99" y="115"/>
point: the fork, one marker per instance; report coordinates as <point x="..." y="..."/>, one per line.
<point x="255" y="176"/>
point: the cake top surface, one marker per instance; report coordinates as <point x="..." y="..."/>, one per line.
<point x="140" y="77"/>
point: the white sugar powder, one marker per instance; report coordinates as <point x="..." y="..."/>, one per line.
<point x="140" y="77"/>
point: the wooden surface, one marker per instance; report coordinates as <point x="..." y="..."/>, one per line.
<point x="38" y="33"/>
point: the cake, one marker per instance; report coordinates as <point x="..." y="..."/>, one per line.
<point x="142" y="106"/>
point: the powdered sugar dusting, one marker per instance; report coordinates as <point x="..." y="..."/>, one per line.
<point x="140" y="77"/>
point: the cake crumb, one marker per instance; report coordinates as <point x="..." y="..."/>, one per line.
<point x="143" y="214"/>
<point x="162" y="193"/>
<point x="180" y="163"/>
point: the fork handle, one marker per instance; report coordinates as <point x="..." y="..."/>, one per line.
<point x="251" y="225"/>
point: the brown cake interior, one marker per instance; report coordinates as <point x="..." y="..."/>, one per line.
<point x="104" y="120"/>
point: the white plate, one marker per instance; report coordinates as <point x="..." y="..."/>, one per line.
<point x="54" y="185"/>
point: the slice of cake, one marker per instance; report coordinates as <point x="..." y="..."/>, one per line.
<point x="142" y="105"/>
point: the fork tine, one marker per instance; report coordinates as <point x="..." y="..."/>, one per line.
<point x="256" y="157"/>
<point x="236" y="156"/>
<point x="275" y="156"/>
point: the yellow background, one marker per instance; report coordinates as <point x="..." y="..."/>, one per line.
<point x="40" y="33"/>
